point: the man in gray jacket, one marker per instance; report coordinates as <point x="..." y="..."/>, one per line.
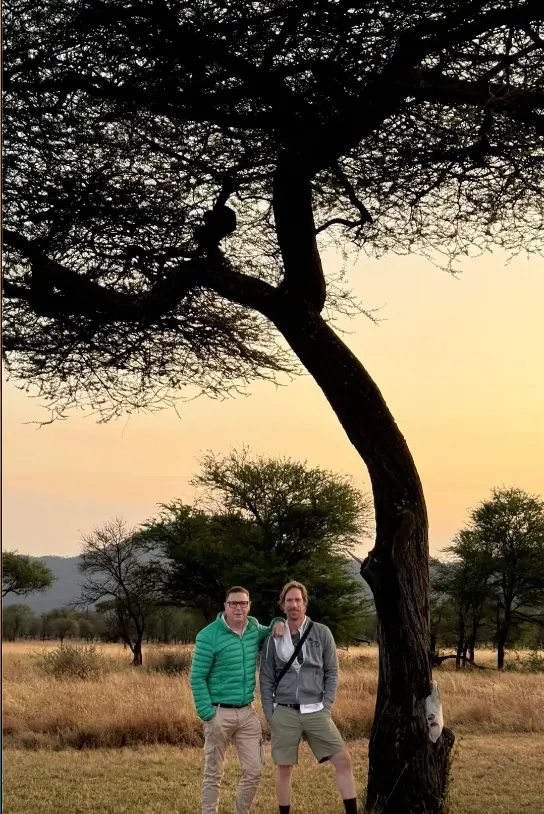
<point x="300" y="703"/>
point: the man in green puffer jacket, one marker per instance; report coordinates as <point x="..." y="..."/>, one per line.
<point x="223" y="685"/>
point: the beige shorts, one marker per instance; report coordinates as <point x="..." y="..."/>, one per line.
<point x="289" y="725"/>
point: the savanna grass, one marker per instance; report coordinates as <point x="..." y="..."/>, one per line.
<point x="122" y="705"/>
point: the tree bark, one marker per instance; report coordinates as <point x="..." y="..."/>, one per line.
<point x="434" y="650"/>
<point x="472" y="641"/>
<point x="502" y="636"/>
<point x="137" y="661"/>
<point x="503" y="628"/>
<point x="407" y="772"/>
<point x="461" y="635"/>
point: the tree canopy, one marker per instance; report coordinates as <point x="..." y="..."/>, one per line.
<point x="287" y="499"/>
<point x="22" y="575"/>
<point x="267" y="521"/>
<point x="394" y="126"/>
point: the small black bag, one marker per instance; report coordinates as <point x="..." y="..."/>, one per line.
<point x="296" y="651"/>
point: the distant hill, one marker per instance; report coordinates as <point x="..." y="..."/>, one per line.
<point x="66" y="587"/>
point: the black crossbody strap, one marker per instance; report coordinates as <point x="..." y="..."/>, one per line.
<point x="296" y="651"/>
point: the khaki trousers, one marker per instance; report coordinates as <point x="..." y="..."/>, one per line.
<point x="242" y="728"/>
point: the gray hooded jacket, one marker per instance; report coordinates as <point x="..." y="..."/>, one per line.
<point x="316" y="680"/>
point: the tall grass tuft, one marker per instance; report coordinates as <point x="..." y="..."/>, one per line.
<point x="78" y="662"/>
<point x="171" y="662"/>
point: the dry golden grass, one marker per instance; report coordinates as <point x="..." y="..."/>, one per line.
<point x="490" y="775"/>
<point x="474" y="701"/>
<point x="498" y="719"/>
<point x="132" y="707"/>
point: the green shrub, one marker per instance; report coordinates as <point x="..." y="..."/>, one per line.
<point x="533" y="663"/>
<point x="85" y="663"/>
<point x="174" y="662"/>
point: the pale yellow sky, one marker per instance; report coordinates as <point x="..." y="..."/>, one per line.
<point x="459" y="362"/>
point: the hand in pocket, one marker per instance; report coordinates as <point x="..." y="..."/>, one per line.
<point x="210" y="726"/>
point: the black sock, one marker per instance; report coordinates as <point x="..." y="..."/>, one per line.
<point x="285" y="809"/>
<point x="351" y="805"/>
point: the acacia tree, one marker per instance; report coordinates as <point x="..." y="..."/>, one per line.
<point x="268" y="521"/>
<point x="387" y="126"/>
<point x="508" y="531"/>
<point x="23" y="575"/>
<point x="120" y="576"/>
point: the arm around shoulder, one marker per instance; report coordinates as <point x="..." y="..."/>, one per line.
<point x="265" y="630"/>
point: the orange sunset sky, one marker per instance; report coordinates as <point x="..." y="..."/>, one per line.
<point x="459" y="361"/>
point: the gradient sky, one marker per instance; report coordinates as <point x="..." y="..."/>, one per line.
<point x="459" y="361"/>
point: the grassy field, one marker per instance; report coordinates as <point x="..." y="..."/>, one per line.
<point x="498" y="720"/>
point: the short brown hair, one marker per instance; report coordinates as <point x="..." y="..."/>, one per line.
<point x="290" y="585"/>
<point x="236" y="589"/>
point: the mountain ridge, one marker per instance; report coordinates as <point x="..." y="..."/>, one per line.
<point x="67" y="586"/>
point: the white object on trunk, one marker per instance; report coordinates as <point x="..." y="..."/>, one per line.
<point x="433" y="711"/>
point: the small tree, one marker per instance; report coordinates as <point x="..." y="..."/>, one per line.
<point x="509" y="530"/>
<point x="45" y="628"/>
<point x="35" y="627"/>
<point x="23" y="575"/>
<point x="16" y="622"/>
<point x="86" y="629"/>
<point x="172" y="625"/>
<point x="465" y="581"/>
<point x="442" y="616"/>
<point x="116" y="566"/>
<point x="63" y="624"/>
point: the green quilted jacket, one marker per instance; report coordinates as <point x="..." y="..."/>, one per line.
<point x="223" y="669"/>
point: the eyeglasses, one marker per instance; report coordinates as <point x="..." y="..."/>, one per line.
<point x="238" y="604"/>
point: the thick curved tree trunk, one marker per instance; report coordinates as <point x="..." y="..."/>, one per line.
<point x="407" y="772"/>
